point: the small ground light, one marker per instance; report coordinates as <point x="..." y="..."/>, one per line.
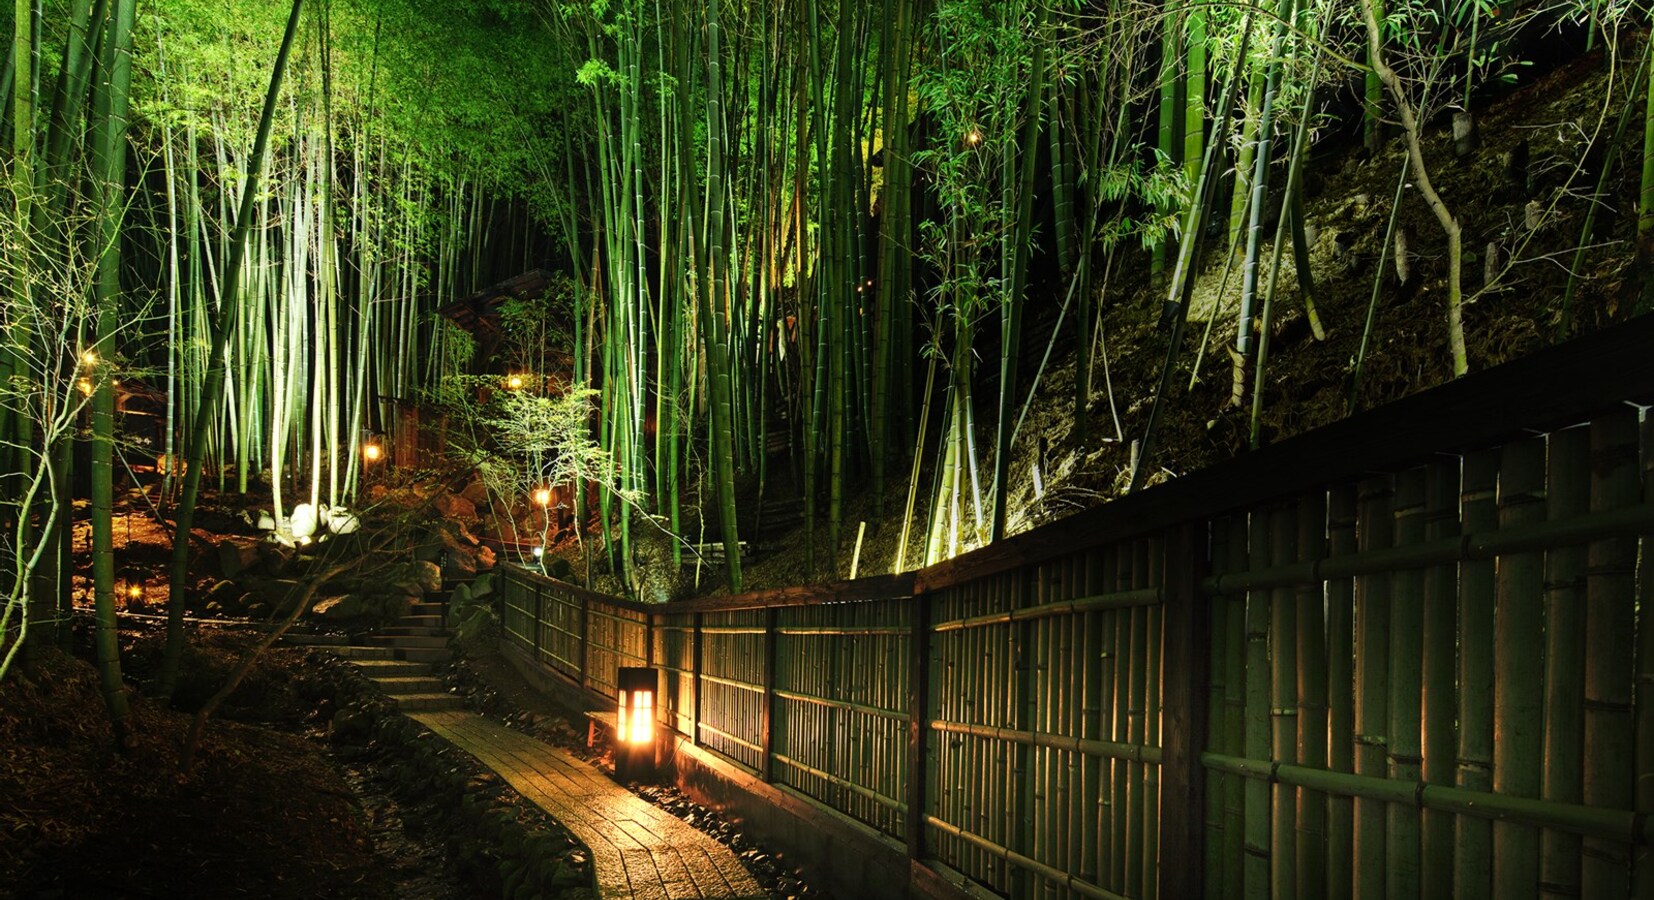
<point x="542" y="496"/>
<point x="539" y="552"/>
<point x="515" y="382"/>
<point x="371" y="452"/>
<point x="974" y="137"/>
<point x="635" y="723"/>
<point x="89" y="358"/>
<point x="135" y="592"/>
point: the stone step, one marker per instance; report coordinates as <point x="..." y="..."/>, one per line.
<point x="405" y="685"/>
<point x="412" y="631"/>
<point x="424" y="621"/>
<point x="385" y="653"/>
<point x="410" y="640"/>
<point x="392" y="668"/>
<point x="427" y="609"/>
<point x="425" y="654"/>
<point x="427" y="702"/>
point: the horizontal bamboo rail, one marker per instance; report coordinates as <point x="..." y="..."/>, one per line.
<point x="1621" y="826"/>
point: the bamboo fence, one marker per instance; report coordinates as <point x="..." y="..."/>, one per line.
<point x="1416" y="683"/>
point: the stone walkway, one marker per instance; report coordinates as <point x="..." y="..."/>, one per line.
<point x="638" y="849"/>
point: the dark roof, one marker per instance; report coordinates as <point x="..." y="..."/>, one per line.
<point x="476" y="313"/>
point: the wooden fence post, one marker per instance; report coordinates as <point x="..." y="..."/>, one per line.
<point x="767" y="764"/>
<point x="585" y="638"/>
<point x="695" y="721"/>
<point x="539" y="618"/>
<point x="918" y="723"/>
<point x="1186" y="656"/>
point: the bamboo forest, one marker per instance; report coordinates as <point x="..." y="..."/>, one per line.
<point x="798" y="448"/>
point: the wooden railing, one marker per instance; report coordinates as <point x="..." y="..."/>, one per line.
<point x="1401" y="655"/>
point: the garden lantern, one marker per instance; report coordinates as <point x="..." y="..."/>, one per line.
<point x="542" y="496"/>
<point x="635" y="722"/>
<point x="135" y="592"/>
<point x="515" y="382"/>
<point x="371" y="452"/>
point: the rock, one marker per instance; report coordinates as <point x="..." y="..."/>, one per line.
<point x="477" y="493"/>
<point x="428" y="575"/>
<point x="343" y="521"/>
<point x="453" y="506"/>
<point x="224" y="595"/>
<point x="266" y="521"/>
<point x="303" y="520"/>
<point x="278" y="593"/>
<point x="276" y="557"/>
<point x="345" y="606"/>
<point x="393" y="607"/>
<point x="233" y="558"/>
<point x="482" y="587"/>
<point x="485" y="558"/>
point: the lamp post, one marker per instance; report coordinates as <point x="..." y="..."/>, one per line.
<point x="635" y="723"/>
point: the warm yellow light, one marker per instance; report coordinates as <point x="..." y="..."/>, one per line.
<point x="974" y="137"/>
<point x="515" y="382"/>
<point x="89" y="358"/>
<point x="542" y="496"/>
<point x="371" y="452"/>
<point x="635" y="719"/>
<point x="85" y="385"/>
<point x="135" y="591"/>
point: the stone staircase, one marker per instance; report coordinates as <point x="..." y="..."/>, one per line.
<point x="401" y="659"/>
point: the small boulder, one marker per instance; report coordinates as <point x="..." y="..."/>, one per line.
<point x="428" y="575"/>
<point x="233" y="558"/>
<point x="476" y="492"/>
<point x="482" y="587"/>
<point x="485" y="558"/>
<point x="453" y="506"/>
<point x="345" y="606"/>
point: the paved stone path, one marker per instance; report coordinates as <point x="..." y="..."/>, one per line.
<point x="638" y="849"/>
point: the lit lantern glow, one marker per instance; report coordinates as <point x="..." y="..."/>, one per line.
<point x="371" y="452"/>
<point x="974" y="137"/>
<point x="542" y="496"/>
<point x="85" y="385"/>
<point x="635" y="715"/>
<point x="636" y="723"/>
<point x="515" y="382"/>
<point x="89" y="358"/>
<point x="539" y="552"/>
<point x="135" y="592"/>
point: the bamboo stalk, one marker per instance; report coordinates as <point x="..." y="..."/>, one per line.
<point x="1610" y="613"/>
<point x="1567" y="493"/>
<point x="1404" y="752"/>
<point x="1283" y="708"/>
<point x="1312" y="850"/>
<point x="1518" y="683"/>
<point x="1256" y="875"/>
<point x="1439" y="647"/>
<point x="1341" y="541"/>
<point x="1372" y="693"/>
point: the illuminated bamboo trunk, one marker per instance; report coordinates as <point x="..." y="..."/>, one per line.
<point x="1642" y="859"/>
<point x="1473" y="838"/>
<point x="1235" y="721"/>
<point x="1439" y="646"/>
<point x="1256" y="877"/>
<point x="1341" y="541"/>
<point x="1283" y="707"/>
<point x="1372" y="691"/>
<point x="1567" y="494"/>
<point x="1217" y="697"/>
<point x="1311" y="852"/>
<point x="1610" y="612"/>
<point x="1518" y="683"/>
